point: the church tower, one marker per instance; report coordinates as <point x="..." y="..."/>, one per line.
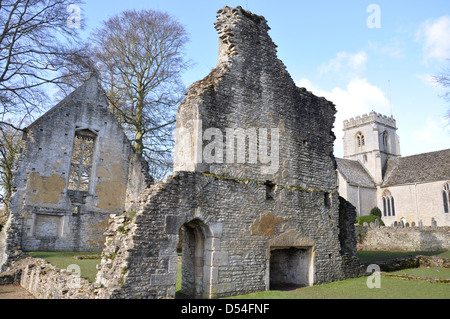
<point x="371" y="140"/>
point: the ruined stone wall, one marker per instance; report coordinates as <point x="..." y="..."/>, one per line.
<point x="47" y="215"/>
<point x="242" y="218"/>
<point x="250" y="89"/>
<point x="45" y="281"/>
<point x="238" y="213"/>
<point x="240" y="227"/>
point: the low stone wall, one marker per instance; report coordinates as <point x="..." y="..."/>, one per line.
<point x="403" y="238"/>
<point x="414" y="262"/>
<point x="45" y="281"/>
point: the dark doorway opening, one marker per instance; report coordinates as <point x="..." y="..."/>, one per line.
<point x="192" y="250"/>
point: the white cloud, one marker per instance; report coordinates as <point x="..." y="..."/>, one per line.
<point x="357" y="98"/>
<point x="433" y="135"/>
<point x="435" y="38"/>
<point x="394" y="49"/>
<point x="354" y="98"/>
<point x="346" y="63"/>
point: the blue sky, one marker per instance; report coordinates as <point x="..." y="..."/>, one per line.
<point x="329" y="48"/>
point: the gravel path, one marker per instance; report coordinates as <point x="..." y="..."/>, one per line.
<point x="14" y="292"/>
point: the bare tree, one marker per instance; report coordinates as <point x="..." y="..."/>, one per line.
<point x="37" y="37"/>
<point x="139" y="57"/>
<point x="35" y="41"/>
<point x="10" y="144"/>
<point x="443" y="79"/>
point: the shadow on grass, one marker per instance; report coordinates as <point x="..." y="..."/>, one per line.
<point x="378" y="256"/>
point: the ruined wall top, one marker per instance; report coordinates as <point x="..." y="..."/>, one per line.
<point x="248" y="119"/>
<point x="241" y="34"/>
<point x="235" y="26"/>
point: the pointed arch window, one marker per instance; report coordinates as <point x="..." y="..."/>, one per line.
<point x="386" y="141"/>
<point x="388" y="204"/>
<point x="360" y="141"/>
<point x="446" y="197"/>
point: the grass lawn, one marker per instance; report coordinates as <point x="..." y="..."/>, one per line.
<point x="356" y="288"/>
<point x="63" y="259"/>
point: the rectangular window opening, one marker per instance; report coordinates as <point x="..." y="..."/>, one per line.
<point x="327" y="200"/>
<point x="81" y="162"/>
<point x="270" y="188"/>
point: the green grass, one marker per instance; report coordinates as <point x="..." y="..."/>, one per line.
<point x="63" y="259"/>
<point x="178" y="284"/>
<point x="356" y="288"/>
<point x="390" y="288"/>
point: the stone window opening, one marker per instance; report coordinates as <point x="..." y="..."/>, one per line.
<point x="446" y="197"/>
<point x="76" y="210"/>
<point x="386" y="141"/>
<point x="360" y="141"/>
<point x="327" y="200"/>
<point x="388" y="204"/>
<point x="81" y="161"/>
<point x="270" y="189"/>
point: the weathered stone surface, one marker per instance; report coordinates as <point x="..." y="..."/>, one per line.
<point x="250" y="90"/>
<point x="45" y="281"/>
<point x="405" y="238"/>
<point x="140" y="250"/>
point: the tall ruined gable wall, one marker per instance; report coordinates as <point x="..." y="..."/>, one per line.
<point x="250" y="88"/>
<point x="45" y="213"/>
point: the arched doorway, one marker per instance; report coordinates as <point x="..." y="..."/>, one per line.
<point x="194" y="234"/>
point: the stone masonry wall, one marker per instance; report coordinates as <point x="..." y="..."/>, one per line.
<point x="240" y="221"/>
<point x="240" y="227"/>
<point x="404" y="238"/>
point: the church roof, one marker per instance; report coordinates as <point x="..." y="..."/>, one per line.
<point x="354" y="173"/>
<point x="426" y="167"/>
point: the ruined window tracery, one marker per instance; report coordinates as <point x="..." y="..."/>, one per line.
<point x="81" y="162"/>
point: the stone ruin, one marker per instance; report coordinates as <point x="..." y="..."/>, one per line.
<point x="253" y="193"/>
